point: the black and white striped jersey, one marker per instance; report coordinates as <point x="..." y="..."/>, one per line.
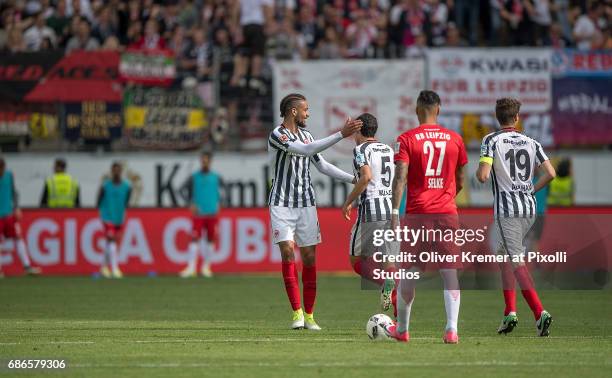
<point x="291" y="185"/>
<point x="375" y="201"/>
<point x="513" y="157"/>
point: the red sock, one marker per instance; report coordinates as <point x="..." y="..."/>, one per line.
<point x="529" y="293"/>
<point x="508" y="285"/>
<point x="309" y="284"/>
<point x="291" y="284"/>
<point x="365" y="270"/>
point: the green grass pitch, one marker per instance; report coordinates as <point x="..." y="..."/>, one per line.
<point x="237" y="326"/>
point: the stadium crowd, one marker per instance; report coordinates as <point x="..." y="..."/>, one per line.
<point x="300" y="29"/>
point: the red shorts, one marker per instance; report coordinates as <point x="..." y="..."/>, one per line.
<point x="9" y="227"/>
<point x="112" y="231"/>
<point x="207" y="223"/>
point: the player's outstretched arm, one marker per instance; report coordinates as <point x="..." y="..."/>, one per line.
<point x="331" y="170"/>
<point x="365" y="175"/>
<point x="548" y="174"/>
<point x="284" y="142"/>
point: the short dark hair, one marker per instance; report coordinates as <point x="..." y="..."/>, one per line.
<point x="290" y="101"/>
<point x="563" y="168"/>
<point x="207" y="153"/>
<point x="61" y="163"/>
<point x="370" y="125"/>
<point x="506" y="110"/>
<point x="428" y="99"/>
<point x="116" y="164"/>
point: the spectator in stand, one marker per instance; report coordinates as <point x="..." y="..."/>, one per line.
<point x="406" y="21"/>
<point x="330" y="46"/>
<point x="59" y="20"/>
<point x="586" y="29"/>
<point x="539" y="14"/>
<point x="198" y="58"/>
<point x="82" y="40"/>
<point x="255" y="20"/>
<point x="14" y="40"/>
<point x="111" y="44"/>
<point x="35" y="34"/>
<point x="307" y="27"/>
<point x="562" y="14"/>
<point x="79" y="8"/>
<point x="187" y="14"/>
<point x="133" y="34"/>
<point x="360" y="34"/>
<point x="419" y="48"/>
<point x="471" y="9"/>
<point x="495" y="10"/>
<point x="151" y="40"/>
<point x="556" y="38"/>
<point x="223" y="61"/>
<point x="436" y="13"/>
<point x="517" y="23"/>
<point x="380" y="49"/>
<point x="286" y="43"/>
<point x="453" y="36"/>
<point x="179" y="44"/>
<point x="106" y="24"/>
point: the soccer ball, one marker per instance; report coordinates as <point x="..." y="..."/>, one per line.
<point x="376" y="326"/>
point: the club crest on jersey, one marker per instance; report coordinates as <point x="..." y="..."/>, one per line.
<point x="360" y="159"/>
<point x="396" y="147"/>
<point x="284" y="138"/>
<point x="483" y="149"/>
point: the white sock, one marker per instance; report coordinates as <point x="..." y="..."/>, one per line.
<point x="452" y="297"/>
<point x="112" y="251"/>
<point x="193" y="255"/>
<point x="208" y="252"/>
<point x="405" y="298"/>
<point x="22" y="252"/>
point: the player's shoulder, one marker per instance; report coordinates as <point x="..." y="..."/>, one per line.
<point x="491" y="137"/>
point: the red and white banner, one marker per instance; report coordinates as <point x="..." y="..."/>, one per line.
<point x="470" y="80"/>
<point x="336" y="90"/>
<point x="156" y="240"/>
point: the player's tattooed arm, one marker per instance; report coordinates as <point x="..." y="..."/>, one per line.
<point x="398" y="186"/>
<point x="459" y="176"/>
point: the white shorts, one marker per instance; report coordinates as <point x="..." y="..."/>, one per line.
<point x="296" y="224"/>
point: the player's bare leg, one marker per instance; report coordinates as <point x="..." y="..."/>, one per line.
<point x="22" y="252"/>
<point x="290" y="277"/>
<point x="111" y="267"/>
<point x="207" y="248"/>
<point x="309" y="284"/>
<point x="190" y="270"/>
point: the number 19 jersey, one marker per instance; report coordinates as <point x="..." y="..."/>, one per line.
<point x="433" y="154"/>
<point x="513" y="157"/>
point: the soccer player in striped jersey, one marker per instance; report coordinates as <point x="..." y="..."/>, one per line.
<point x="372" y="162"/>
<point x="511" y="158"/>
<point x="113" y="199"/>
<point x="10" y="214"/>
<point x="293" y="214"/>
<point x="429" y="159"/>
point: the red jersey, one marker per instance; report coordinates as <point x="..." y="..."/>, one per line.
<point x="433" y="154"/>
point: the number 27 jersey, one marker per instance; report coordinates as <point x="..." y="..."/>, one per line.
<point x="433" y="154"/>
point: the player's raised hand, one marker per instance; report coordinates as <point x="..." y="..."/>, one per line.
<point x="351" y="126"/>
<point x="346" y="210"/>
